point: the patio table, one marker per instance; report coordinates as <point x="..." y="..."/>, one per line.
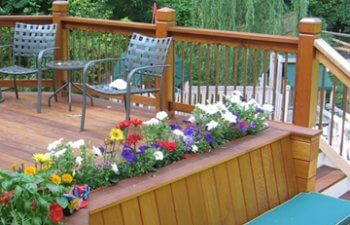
<point x="70" y="66"/>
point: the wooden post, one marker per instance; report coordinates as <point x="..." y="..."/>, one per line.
<point x="306" y="84"/>
<point x="166" y="17"/>
<point x="59" y="10"/>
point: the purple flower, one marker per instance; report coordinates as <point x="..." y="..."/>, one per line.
<point x="175" y="126"/>
<point x="243" y="126"/>
<point x="129" y="155"/>
<point x="260" y="110"/>
<point x="142" y="149"/>
<point x="188" y="139"/>
<point x="209" y="138"/>
<point x="189" y="131"/>
<point x="252" y="125"/>
<point x="155" y="145"/>
<point x="102" y="149"/>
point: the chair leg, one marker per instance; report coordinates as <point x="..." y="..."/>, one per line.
<point x="82" y="124"/>
<point x="54" y="87"/>
<point x="15" y="86"/>
<point x="40" y="75"/>
<point x="127" y="106"/>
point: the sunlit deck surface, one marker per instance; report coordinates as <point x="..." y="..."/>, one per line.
<point x="24" y="132"/>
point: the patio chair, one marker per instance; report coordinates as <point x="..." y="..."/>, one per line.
<point x="33" y="41"/>
<point x="146" y="56"/>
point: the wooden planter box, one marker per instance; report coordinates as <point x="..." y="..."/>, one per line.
<point x="233" y="185"/>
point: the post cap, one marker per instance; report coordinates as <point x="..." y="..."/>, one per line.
<point x="166" y="14"/>
<point x="310" y="25"/>
<point x="60" y="6"/>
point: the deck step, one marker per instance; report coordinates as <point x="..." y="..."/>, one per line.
<point x="327" y="176"/>
<point x="346" y="196"/>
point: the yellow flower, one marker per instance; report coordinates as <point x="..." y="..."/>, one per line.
<point x="47" y="166"/>
<point x="31" y="170"/>
<point x="67" y="178"/>
<point x="41" y="158"/>
<point x="56" y="179"/>
<point x="75" y="203"/>
<point x="116" y="134"/>
<point x="14" y="167"/>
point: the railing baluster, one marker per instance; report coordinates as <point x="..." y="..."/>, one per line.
<point x="182" y="71"/>
<point x="245" y="72"/>
<point x="284" y="87"/>
<point x="322" y="98"/>
<point x="226" y="60"/>
<point x="208" y="61"/>
<point x="334" y="90"/>
<point x="217" y="72"/>
<point x="264" y="76"/>
<point x="235" y="73"/>
<point x="345" y="103"/>
<point x="190" y="74"/>
<point x="199" y="94"/>
<point x="255" y="72"/>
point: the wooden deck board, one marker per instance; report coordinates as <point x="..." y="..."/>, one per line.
<point x="24" y="132"/>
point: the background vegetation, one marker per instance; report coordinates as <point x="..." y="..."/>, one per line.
<point x="273" y="16"/>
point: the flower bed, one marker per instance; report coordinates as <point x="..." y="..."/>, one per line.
<point x="133" y="148"/>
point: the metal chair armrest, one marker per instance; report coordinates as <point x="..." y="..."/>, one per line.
<point x="133" y="72"/>
<point x="41" y="55"/>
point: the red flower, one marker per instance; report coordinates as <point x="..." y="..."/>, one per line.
<point x="132" y="139"/>
<point x="6" y="197"/>
<point x="124" y="124"/>
<point x="168" y="145"/>
<point x="56" y="213"/>
<point x="136" y="122"/>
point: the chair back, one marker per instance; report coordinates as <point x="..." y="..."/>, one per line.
<point x="147" y="51"/>
<point x="30" y="39"/>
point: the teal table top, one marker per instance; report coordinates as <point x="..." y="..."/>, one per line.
<point x="307" y="209"/>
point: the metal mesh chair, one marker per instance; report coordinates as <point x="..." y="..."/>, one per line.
<point x="31" y="40"/>
<point x="146" y="56"/>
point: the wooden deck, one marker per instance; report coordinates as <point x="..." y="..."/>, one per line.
<point x="24" y="132"/>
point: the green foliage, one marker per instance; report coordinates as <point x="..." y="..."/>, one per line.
<point x="27" y="204"/>
<point x="26" y="7"/>
<point x="335" y="14"/>
<point x="91" y="9"/>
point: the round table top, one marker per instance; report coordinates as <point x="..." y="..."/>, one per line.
<point x="66" y="64"/>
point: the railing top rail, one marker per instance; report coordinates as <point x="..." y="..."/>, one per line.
<point x="106" y="25"/>
<point x="274" y="42"/>
<point x="328" y="56"/>
<point x="10" y="21"/>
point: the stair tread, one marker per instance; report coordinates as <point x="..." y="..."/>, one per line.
<point x="346" y="196"/>
<point x="327" y="176"/>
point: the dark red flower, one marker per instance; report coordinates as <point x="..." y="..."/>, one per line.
<point x="133" y="139"/>
<point x="136" y="122"/>
<point x="6" y="197"/>
<point x="56" y="213"/>
<point x="34" y="205"/>
<point x="168" y="145"/>
<point x="124" y="124"/>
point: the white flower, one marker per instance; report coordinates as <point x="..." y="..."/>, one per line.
<point x="78" y="160"/>
<point x="162" y="115"/>
<point x="119" y="84"/>
<point x="73" y="173"/>
<point x="152" y="121"/>
<point x="244" y="105"/>
<point x="194" y="148"/>
<point x="229" y="117"/>
<point x="212" y="109"/>
<point x="158" y="155"/>
<point x="54" y="144"/>
<point x="252" y="102"/>
<point x="221" y="106"/>
<point x="211" y="125"/>
<point x="235" y="99"/>
<point x="192" y="119"/>
<point x="76" y="144"/>
<point x="60" y="152"/>
<point x="268" y="108"/>
<point x="96" y="151"/>
<point x="236" y="92"/>
<point x="115" y="169"/>
<point x="201" y="107"/>
<point x="178" y="133"/>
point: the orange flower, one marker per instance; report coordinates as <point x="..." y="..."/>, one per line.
<point x="31" y="170"/>
<point x="56" y="179"/>
<point x="67" y="178"/>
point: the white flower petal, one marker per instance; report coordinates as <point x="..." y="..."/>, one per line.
<point x="115" y="168"/>
<point x="161" y="115"/>
<point x="52" y="146"/>
<point x="158" y="155"/>
<point x="152" y="121"/>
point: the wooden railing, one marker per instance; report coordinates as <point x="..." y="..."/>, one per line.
<point x="333" y="104"/>
<point x="207" y="64"/>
